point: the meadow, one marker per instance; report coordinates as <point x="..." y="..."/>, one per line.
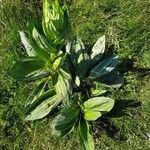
<point x="126" y="25"/>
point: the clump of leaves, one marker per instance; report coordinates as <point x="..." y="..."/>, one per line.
<point x="72" y="78"/>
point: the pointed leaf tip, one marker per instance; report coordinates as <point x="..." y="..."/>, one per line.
<point x="98" y="48"/>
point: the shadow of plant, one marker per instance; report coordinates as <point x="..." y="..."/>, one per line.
<point x="121" y="107"/>
<point x="127" y="65"/>
<point x="105" y="124"/>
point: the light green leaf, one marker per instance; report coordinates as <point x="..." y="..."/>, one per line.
<point x="92" y="115"/>
<point x="48" y="26"/>
<point x="42" y="106"/>
<point x="101" y="104"/>
<point x="59" y="61"/>
<point x="22" y="69"/>
<point x="55" y="21"/>
<point x="86" y="138"/>
<point x="29" y="49"/>
<point x="77" y="81"/>
<point x="95" y="106"/>
<point x="63" y="86"/>
<point x="65" y="122"/>
<point x="98" y="49"/>
<point x="104" y="67"/>
<point x="97" y="90"/>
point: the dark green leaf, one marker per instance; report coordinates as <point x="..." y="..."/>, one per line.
<point x="112" y="79"/>
<point x="86" y="138"/>
<point x="65" y="122"/>
<point x="43" y="43"/>
<point x="39" y="45"/>
<point x="24" y="68"/>
<point x="83" y="129"/>
<point x="79" y="56"/>
<point x="67" y="28"/>
<point x="104" y="67"/>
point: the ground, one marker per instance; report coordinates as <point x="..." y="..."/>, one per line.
<point x="126" y="25"/>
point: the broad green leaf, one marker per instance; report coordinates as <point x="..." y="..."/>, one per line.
<point x="29" y="49"/>
<point x="71" y="56"/>
<point x="22" y="69"/>
<point x="112" y="79"/>
<point x="92" y="115"/>
<point x="94" y="107"/>
<point x="42" y="106"/>
<point x="86" y="138"/>
<point x="65" y="122"/>
<point x="104" y="67"/>
<point x="98" y="49"/>
<point x="101" y="104"/>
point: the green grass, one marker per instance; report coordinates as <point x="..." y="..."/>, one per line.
<point x="127" y="28"/>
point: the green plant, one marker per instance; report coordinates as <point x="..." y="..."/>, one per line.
<point x="72" y="78"/>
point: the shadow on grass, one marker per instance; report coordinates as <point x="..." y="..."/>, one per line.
<point x="128" y="65"/>
<point x="105" y="123"/>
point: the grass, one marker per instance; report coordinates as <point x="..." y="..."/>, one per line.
<point x="127" y="29"/>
